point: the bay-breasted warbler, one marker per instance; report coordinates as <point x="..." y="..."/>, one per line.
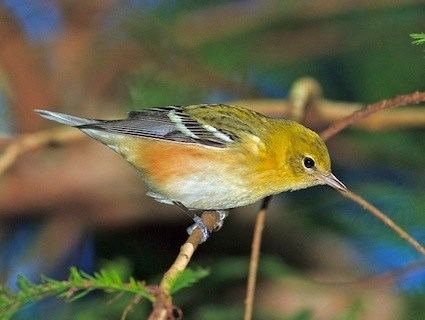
<point x="212" y="156"/>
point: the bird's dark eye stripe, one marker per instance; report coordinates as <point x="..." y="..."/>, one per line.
<point x="308" y="162"/>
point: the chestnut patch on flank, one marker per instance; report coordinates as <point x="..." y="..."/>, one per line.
<point x="163" y="161"/>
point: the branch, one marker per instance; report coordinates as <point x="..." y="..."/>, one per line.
<point x="255" y="257"/>
<point x="30" y="142"/>
<point x="163" y="306"/>
<point x="384" y="218"/>
<point x="403" y="100"/>
<point x="327" y="111"/>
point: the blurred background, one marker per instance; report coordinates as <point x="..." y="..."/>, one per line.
<point x="79" y="204"/>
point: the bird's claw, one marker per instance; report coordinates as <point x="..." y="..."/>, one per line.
<point x="222" y="214"/>
<point x="201" y="225"/>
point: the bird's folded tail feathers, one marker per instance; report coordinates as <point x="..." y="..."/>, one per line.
<point x="90" y="127"/>
<point x="65" y="118"/>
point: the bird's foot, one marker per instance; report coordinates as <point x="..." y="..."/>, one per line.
<point x="204" y="229"/>
<point x="201" y="225"/>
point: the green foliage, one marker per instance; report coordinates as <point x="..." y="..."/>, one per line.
<point x="79" y="284"/>
<point x="187" y="278"/>
<point x="75" y="287"/>
<point x="418" y="38"/>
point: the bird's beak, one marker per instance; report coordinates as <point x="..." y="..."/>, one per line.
<point x="331" y="180"/>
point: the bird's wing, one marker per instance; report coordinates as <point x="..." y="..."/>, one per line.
<point x="197" y="124"/>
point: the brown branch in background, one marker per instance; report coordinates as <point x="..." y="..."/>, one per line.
<point x="34" y="141"/>
<point x="327" y="112"/>
<point x="163" y="306"/>
<point x="408" y="117"/>
<point x="255" y="257"/>
<point x="384" y="218"/>
<point x="403" y="100"/>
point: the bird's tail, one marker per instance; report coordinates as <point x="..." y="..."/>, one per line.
<point x="65" y="118"/>
<point x="91" y="127"/>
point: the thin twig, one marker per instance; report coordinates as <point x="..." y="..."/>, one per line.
<point x="255" y="256"/>
<point x="163" y="305"/>
<point x="384" y="218"/>
<point x="403" y="100"/>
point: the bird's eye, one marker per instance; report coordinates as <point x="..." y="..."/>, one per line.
<point x="308" y="162"/>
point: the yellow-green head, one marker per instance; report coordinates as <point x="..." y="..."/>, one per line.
<point x="303" y="154"/>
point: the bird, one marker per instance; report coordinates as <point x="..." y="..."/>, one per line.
<point x="212" y="156"/>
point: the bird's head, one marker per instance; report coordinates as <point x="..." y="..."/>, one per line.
<point x="308" y="160"/>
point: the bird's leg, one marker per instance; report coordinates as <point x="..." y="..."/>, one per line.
<point x="198" y="221"/>
<point x="183" y="208"/>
